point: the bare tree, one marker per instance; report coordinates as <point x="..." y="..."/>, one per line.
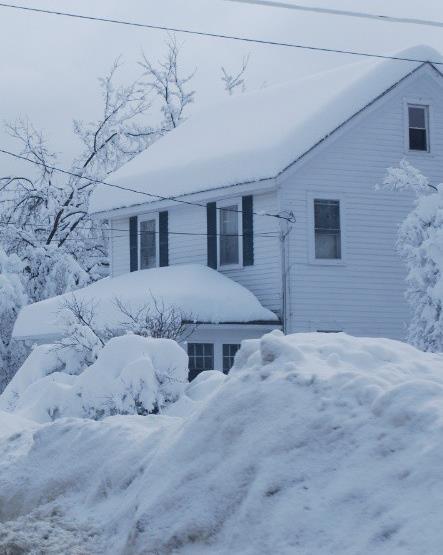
<point x="45" y="213"/>
<point x="157" y="319"/>
<point x="233" y="81"/>
<point x="83" y="335"/>
<point x="169" y="86"/>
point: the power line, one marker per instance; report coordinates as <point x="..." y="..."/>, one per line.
<point x="36" y="228"/>
<point x="218" y="35"/>
<point x="289" y="218"/>
<point x="345" y="13"/>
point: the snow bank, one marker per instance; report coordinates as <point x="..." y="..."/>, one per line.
<point x="204" y="294"/>
<point x="132" y="375"/>
<point x="315" y="443"/>
<point x="256" y="135"/>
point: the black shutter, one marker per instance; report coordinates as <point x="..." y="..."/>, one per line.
<point x="248" y="230"/>
<point x="211" y="219"/>
<point x="133" y="244"/>
<point x="163" y="238"/>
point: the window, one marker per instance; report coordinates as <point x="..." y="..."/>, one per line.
<point x="327" y="229"/>
<point x="201" y="357"/>
<point x="148" y="244"/>
<point x="229" y="239"/>
<point x="418" y="128"/>
<point x="229" y="351"/>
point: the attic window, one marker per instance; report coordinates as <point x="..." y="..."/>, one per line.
<point x="418" y="117"/>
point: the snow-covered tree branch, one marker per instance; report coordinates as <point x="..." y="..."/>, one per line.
<point x="233" y="81"/>
<point x="169" y="86"/>
<point x="420" y="244"/>
<point x="44" y="212"/>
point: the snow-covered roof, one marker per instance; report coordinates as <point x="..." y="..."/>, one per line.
<point x="206" y="295"/>
<point x="254" y="136"/>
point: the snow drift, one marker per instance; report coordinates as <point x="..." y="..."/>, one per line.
<point x="132" y="375"/>
<point x="315" y="443"/>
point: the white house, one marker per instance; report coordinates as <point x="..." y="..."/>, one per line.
<point x="310" y="151"/>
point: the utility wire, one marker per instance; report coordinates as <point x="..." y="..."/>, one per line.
<point x="217" y="35"/>
<point x="37" y="228"/>
<point x="345" y="13"/>
<point x="289" y="218"/>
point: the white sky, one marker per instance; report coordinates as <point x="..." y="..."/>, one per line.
<point x="49" y="65"/>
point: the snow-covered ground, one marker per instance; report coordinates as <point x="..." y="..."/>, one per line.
<point x="314" y="444"/>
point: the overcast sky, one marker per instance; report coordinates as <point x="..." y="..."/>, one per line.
<point x="49" y="65"/>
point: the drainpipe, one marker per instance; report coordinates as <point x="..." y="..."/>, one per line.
<point x="285" y="230"/>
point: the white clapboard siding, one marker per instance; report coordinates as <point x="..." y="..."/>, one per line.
<point x="264" y="277"/>
<point x="119" y="246"/>
<point x="365" y="295"/>
<point x="187" y="249"/>
<point x="188" y="245"/>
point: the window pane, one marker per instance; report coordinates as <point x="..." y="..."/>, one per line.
<point x="229" y="351"/>
<point x="327" y="214"/>
<point x="148" y="244"/>
<point x="418" y="139"/>
<point x="229" y="241"/>
<point x="327" y="245"/>
<point x="417" y="117"/>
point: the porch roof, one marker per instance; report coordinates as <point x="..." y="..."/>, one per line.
<point x="198" y="292"/>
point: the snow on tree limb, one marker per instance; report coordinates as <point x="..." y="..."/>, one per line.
<point x="420" y="244"/>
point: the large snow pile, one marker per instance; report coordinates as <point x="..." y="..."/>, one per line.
<point x="204" y="295"/>
<point x="255" y="135"/>
<point x="132" y="375"/>
<point x="315" y="443"/>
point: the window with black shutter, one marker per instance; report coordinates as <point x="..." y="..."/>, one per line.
<point x="211" y="230"/>
<point x="133" y="244"/>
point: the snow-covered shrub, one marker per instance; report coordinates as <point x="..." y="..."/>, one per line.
<point x="420" y="244"/>
<point x="132" y="375"/>
<point x="42" y="361"/>
<point x="12" y="298"/>
<point x="84" y="337"/>
<point x="52" y="271"/>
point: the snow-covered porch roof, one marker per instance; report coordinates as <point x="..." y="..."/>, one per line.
<point x="203" y="294"/>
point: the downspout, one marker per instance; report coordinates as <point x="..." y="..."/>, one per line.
<point x="285" y="230"/>
<point x="283" y="277"/>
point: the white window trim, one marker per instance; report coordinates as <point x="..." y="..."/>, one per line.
<point x="419" y="102"/>
<point x="311" y="230"/>
<point x="223" y="204"/>
<point x="146" y="218"/>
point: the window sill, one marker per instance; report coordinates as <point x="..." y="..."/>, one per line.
<point x="230" y="267"/>
<point x="418" y="153"/>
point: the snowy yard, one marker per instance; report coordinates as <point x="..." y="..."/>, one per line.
<point x="315" y="443"/>
<point x="189" y="183"/>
